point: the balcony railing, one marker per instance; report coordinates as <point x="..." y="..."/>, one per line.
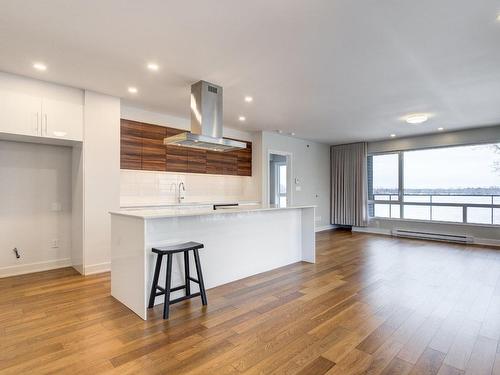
<point x="454" y="208"/>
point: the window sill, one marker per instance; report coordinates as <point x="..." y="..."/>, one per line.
<point x="493" y="226"/>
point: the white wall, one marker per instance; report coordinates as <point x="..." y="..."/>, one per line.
<point x="484" y="234"/>
<point x="150" y="188"/>
<point x="35" y="207"/>
<point x="310" y="164"/>
<point x="101" y="178"/>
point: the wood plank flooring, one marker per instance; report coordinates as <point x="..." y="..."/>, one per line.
<point x="370" y="305"/>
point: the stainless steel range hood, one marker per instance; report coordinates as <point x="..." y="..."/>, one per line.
<point x="206" y="121"/>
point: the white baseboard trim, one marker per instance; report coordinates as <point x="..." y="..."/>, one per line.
<point x="325" y="227"/>
<point x="486" y="242"/>
<point x="372" y="230"/>
<point x="97" y="268"/>
<point x="22" y="269"/>
<point x="78" y="268"/>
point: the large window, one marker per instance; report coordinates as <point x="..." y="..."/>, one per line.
<point x="451" y="184"/>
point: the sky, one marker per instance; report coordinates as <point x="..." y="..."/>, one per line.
<point x="450" y="167"/>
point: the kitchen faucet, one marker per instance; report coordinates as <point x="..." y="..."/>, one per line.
<point x="181" y="197"/>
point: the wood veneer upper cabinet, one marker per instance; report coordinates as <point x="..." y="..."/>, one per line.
<point x="197" y="161"/>
<point x="153" y="150"/>
<point x="142" y="148"/>
<point x="230" y="163"/>
<point x="177" y="156"/>
<point x="214" y="162"/>
<point x="130" y="145"/>
<point x="245" y="161"/>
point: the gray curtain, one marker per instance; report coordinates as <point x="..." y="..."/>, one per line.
<point x="349" y="184"/>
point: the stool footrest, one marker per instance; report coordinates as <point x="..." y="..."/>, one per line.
<point x="180" y="287"/>
<point x="162" y="290"/>
<point x="193" y="280"/>
<point x="185" y="297"/>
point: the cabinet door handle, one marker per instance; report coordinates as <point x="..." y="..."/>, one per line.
<point x="46" y="124"/>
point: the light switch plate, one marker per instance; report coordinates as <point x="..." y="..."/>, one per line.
<point x="298" y="188"/>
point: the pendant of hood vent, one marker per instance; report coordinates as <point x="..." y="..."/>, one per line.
<point x="206" y="121"/>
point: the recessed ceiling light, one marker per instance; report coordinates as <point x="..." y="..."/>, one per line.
<point x="279" y="131"/>
<point x="40" y="66"/>
<point x="292" y="134"/>
<point x="416" y="118"/>
<point x="242" y="118"/>
<point x="393" y="135"/>
<point x="132" y="90"/>
<point x="154" y="67"/>
<point x="248" y="99"/>
<point x="440" y="129"/>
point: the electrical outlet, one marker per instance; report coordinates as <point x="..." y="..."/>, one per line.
<point x="54" y="243"/>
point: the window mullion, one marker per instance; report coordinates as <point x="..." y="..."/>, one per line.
<point x="401" y="183"/>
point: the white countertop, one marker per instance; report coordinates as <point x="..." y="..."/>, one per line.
<point x="166" y="212"/>
<point x="183" y="204"/>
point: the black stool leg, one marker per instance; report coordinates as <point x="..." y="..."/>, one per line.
<point x="166" y="304"/>
<point x="186" y="273"/>
<point x="152" y="296"/>
<point x="200" y="277"/>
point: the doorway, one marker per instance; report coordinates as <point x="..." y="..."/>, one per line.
<point x="279" y="179"/>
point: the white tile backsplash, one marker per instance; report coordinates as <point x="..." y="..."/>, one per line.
<point x="156" y="188"/>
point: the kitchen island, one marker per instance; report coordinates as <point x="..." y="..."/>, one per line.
<point x="239" y="242"/>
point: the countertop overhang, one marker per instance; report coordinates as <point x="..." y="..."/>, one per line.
<point x="171" y="212"/>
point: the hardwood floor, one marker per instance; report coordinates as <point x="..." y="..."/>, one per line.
<point x="370" y="305"/>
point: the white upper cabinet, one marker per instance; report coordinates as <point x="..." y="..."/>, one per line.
<point x="62" y="119"/>
<point x="19" y="113"/>
<point x="39" y="109"/>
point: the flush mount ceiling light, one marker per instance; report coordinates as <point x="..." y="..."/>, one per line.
<point x="498" y="17"/>
<point x="153" y="67"/>
<point x="242" y="118"/>
<point x="440" y="129"/>
<point x="416" y="118"/>
<point x="40" y="66"/>
<point x="248" y="99"/>
<point x="132" y="90"/>
<point x="393" y="135"/>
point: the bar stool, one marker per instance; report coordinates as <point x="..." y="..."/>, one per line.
<point x="169" y="251"/>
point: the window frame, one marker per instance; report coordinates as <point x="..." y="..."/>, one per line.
<point x="400" y="188"/>
<point x="400" y="201"/>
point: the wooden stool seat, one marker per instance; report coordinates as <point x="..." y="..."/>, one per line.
<point x="156" y="290"/>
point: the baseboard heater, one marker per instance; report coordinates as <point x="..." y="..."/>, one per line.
<point x="459" y="238"/>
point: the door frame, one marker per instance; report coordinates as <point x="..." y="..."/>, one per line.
<point x="289" y="174"/>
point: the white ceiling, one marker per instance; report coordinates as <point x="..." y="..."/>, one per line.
<point x="329" y="70"/>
